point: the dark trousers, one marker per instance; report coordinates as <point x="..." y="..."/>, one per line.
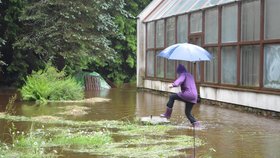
<point x="188" y="108"/>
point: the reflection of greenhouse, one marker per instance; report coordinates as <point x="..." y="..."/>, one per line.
<point x="243" y="36"/>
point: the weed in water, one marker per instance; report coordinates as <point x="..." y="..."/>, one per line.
<point x="51" y="84"/>
<point x="10" y="107"/>
<point x="83" y="139"/>
<point x="25" y="145"/>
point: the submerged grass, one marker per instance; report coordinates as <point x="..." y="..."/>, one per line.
<point x="97" y="138"/>
<point x="83" y="139"/>
<point x="27" y="145"/>
<point x="133" y="129"/>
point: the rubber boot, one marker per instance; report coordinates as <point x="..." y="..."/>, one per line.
<point x="167" y="114"/>
<point x="196" y="124"/>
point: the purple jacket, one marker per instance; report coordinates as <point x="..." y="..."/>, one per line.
<point x="188" y="87"/>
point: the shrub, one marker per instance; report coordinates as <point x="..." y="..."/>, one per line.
<point x="51" y="84"/>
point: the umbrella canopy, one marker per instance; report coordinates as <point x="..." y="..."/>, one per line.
<point x="186" y="52"/>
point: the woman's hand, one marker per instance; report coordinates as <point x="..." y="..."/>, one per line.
<point x="170" y="86"/>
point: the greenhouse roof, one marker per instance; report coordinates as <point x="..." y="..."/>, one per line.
<point x="168" y="8"/>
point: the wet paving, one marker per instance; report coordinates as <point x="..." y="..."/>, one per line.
<point x="227" y="133"/>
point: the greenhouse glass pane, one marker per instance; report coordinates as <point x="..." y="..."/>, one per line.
<point x="150" y="34"/>
<point x="211" y="26"/>
<point x="211" y="67"/>
<point x="250" y="63"/>
<point x="165" y="9"/>
<point x="250" y="20"/>
<point x="160" y="33"/>
<point x="182" y="28"/>
<point x="174" y="8"/>
<point x="229" y="62"/>
<point x="198" y="75"/>
<point x="186" y="6"/>
<point x="170" y="69"/>
<point x="196" y="22"/>
<point x="271" y="19"/>
<point x="170" y="31"/>
<point x="225" y="1"/>
<point x="229" y="23"/>
<point x="272" y="66"/>
<point x="160" y="66"/>
<point x="210" y="3"/>
<point x="198" y="5"/>
<point x="160" y="10"/>
<point x="150" y="63"/>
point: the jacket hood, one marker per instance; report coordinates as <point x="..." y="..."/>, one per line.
<point x="180" y="69"/>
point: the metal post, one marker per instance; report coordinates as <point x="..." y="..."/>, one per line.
<point x="194" y="141"/>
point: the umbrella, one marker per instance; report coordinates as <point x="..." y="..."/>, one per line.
<point x="185" y="52"/>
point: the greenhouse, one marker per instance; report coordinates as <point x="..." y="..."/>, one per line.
<point x="242" y="35"/>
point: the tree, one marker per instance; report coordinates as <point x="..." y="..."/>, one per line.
<point x="95" y="34"/>
<point x="123" y="69"/>
<point x="2" y="41"/>
<point x="10" y="27"/>
<point x="76" y="31"/>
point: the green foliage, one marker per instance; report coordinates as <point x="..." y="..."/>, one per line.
<point x="2" y="42"/>
<point x="51" y="84"/>
<point x="77" y="31"/>
<point x="123" y="69"/>
<point x="10" y="28"/>
<point x="99" y="35"/>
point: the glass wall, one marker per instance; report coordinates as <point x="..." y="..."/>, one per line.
<point x="250" y="20"/>
<point x="170" y="31"/>
<point x="211" y="26"/>
<point x="160" y="34"/>
<point x="238" y="47"/>
<point x="272" y="66"/>
<point x="150" y="35"/>
<point x="150" y="53"/>
<point x="229" y="23"/>
<point x="160" y="66"/>
<point x="250" y="65"/>
<point x="229" y="65"/>
<point x="150" y="63"/>
<point x="170" y="39"/>
<point x="170" y="69"/>
<point x="182" y="28"/>
<point x="271" y="19"/>
<point x="211" y="67"/>
<point x="196" y="22"/>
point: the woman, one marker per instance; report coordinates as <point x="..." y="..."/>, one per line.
<point x="188" y="94"/>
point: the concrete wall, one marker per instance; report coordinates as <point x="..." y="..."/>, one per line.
<point x="159" y="86"/>
<point x="245" y="98"/>
<point x="248" y="99"/>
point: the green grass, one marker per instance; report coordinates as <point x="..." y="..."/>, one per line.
<point x="83" y="139"/>
<point x="26" y="145"/>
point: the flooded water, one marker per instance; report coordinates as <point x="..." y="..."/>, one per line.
<point x="227" y="133"/>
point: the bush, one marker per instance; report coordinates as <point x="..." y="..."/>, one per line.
<point x="51" y="84"/>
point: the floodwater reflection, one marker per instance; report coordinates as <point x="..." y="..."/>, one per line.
<point x="226" y="132"/>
